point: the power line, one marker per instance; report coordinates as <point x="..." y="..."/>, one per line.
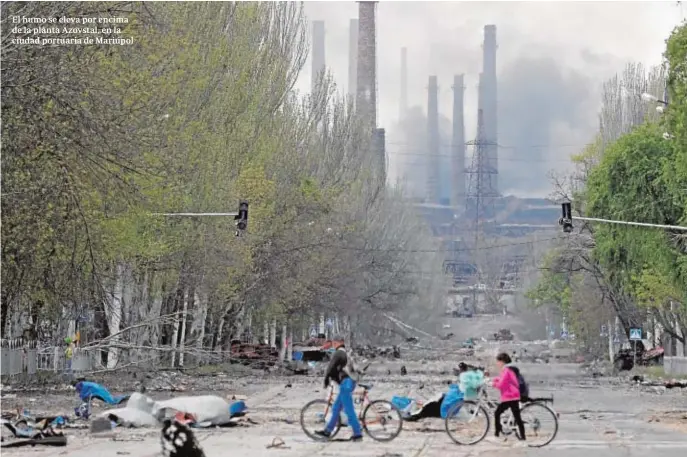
<point x="482" y="248"/>
<point x="501" y="146"/>
<point x="505" y="159"/>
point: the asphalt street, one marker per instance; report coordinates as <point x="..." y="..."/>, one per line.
<point x="605" y="416"/>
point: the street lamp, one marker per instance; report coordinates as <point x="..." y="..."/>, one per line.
<point x="660" y="108"/>
<point x="653" y="99"/>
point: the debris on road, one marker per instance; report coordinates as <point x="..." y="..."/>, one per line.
<point x="203" y="411"/>
<point x="178" y="440"/>
<point x="672" y="384"/>
<point x="277" y="443"/>
<point x="371" y="352"/>
<point x="100" y="425"/>
<point x="93" y="391"/>
<point x="503" y="334"/>
<point x="32" y="437"/>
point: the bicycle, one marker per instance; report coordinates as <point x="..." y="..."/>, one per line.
<point x="532" y="411"/>
<point x="370" y="413"/>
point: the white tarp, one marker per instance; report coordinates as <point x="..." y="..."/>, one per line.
<point x="143" y="411"/>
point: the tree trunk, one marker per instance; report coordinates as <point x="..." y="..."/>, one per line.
<point x="154" y="313"/>
<point x="182" y="341"/>
<point x="611" y="335"/>
<point x="175" y="331"/>
<point x="321" y="326"/>
<point x="348" y="333"/>
<point x="283" y="345"/>
<point x="273" y="334"/>
<point x="202" y="301"/>
<point x="113" y="315"/>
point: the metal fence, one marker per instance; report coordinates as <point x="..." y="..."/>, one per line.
<point x="676" y="366"/>
<point x="21" y="357"/>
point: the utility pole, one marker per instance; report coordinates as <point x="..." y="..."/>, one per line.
<point x="480" y="196"/>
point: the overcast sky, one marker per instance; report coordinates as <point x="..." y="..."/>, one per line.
<point x="551" y="61"/>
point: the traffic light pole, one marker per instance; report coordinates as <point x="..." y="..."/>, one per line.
<point x="195" y="214"/>
<point x="241" y="217"/>
<point x="636" y="224"/>
<point x="567" y="218"/>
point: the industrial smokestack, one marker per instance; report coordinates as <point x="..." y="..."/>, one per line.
<point x="458" y="145"/>
<point x="433" y="172"/>
<point x="318" y="65"/>
<point x="489" y="103"/>
<point x="366" y="90"/>
<point x="404" y="84"/>
<point x="352" y="57"/>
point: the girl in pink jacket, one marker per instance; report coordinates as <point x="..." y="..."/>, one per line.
<point x="507" y="383"/>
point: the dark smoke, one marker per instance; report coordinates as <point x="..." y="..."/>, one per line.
<point x="408" y="147"/>
<point x="544" y="110"/>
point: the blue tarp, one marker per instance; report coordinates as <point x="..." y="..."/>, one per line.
<point x="452" y="398"/>
<point x="400" y="402"/>
<point x="88" y="390"/>
<point x="237" y="407"/>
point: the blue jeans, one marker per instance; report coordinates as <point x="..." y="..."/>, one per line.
<point x="345" y="401"/>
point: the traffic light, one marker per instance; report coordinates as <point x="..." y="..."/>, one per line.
<point x="242" y="217"/>
<point x="566" y="220"/>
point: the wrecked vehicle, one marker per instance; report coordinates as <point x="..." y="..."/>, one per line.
<point x="625" y="359"/>
<point x="503" y="335"/>
<point x="463" y="312"/>
<point x="371" y="352"/>
<point x="247" y="354"/>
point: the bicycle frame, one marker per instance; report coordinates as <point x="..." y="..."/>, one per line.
<point x="507" y="419"/>
<point x="362" y="399"/>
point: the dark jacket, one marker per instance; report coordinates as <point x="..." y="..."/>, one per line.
<point x="336" y="370"/>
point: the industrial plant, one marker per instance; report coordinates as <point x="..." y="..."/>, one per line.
<point x="457" y="188"/>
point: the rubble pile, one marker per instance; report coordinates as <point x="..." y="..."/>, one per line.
<point x="371" y="352"/>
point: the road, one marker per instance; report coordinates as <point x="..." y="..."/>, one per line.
<point x="607" y="417"/>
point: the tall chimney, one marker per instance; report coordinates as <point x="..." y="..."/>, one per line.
<point x="352" y="57"/>
<point x="490" y="95"/>
<point x="433" y="171"/>
<point x="318" y="65"/>
<point x="366" y="89"/>
<point x="404" y="85"/>
<point x="458" y="145"/>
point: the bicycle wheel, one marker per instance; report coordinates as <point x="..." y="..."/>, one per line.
<point x="467" y="423"/>
<point x="382" y="420"/>
<point x="313" y="418"/>
<point x="538" y="417"/>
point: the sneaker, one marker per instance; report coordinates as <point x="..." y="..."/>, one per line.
<point x="520" y="443"/>
<point x="356" y="438"/>
<point x="323" y="434"/>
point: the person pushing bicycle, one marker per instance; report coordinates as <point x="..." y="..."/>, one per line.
<point x="338" y="371"/>
<point x="508" y="384"/>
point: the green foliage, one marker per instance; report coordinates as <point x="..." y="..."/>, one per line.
<point x="629" y="184"/>
<point x="198" y="114"/>
<point x="676" y="114"/>
<point x="553" y="288"/>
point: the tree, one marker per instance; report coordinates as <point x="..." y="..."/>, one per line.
<point x="199" y="113"/>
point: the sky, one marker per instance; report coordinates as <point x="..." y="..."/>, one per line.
<point x="551" y="61"/>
